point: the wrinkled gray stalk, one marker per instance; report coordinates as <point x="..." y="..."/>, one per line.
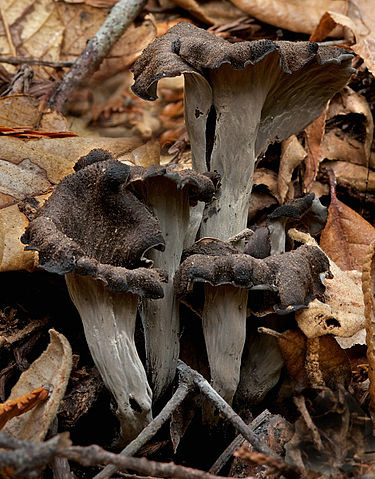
<point x="160" y="318"/>
<point x="97" y="48"/>
<point x="222" y="117"/>
<point x="224" y="330"/>
<point x="109" y="323"/>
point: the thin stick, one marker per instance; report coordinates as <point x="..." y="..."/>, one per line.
<point x="237" y="442"/>
<point x="95" y="455"/>
<point x="15" y="60"/>
<point x="210" y="393"/>
<point x="97" y="48"/>
<point x="149" y="431"/>
<point x="7" y="33"/>
<point x="368" y="297"/>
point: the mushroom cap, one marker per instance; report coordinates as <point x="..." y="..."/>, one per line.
<point x="293" y="278"/>
<point x="294" y="208"/>
<point x="94" y="225"/>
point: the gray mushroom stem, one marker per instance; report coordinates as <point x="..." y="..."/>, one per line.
<point x="224" y="330"/>
<point x="161" y="318"/>
<point x="109" y="322"/>
<point x="232" y="124"/>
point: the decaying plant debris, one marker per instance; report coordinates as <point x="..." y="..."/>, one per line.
<point x="182" y="279"/>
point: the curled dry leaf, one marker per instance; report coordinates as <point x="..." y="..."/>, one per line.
<point x="333" y="361"/>
<point x="342" y="313"/>
<point x="53" y="368"/>
<point x="350" y="175"/>
<point x="292" y="155"/>
<point x="291" y="14"/>
<point x="346" y="236"/>
<point x="314" y="134"/>
<point x="357" y="27"/>
<point x="22" y="404"/>
<point x="354" y="143"/>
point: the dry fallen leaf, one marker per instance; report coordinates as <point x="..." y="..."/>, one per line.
<point x="342" y="313"/>
<point x="350" y="175"/>
<point x="266" y="178"/>
<point x="350" y="137"/>
<point x="59" y="31"/>
<point x="292" y="155"/>
<point x="356" y="26"/>
<point x="291" y="14"/>
<point x="53" y="368"/>
<point x="314" y="134"/>
<point x="22" y="404"/>
<point x="346" y="236"/>
<point x="333" y="361"/>
<point x="212" y="12"/>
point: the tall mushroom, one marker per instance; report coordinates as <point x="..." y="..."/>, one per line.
<point x="239" y="98"/>
<point x="293" y="278"/>
<point x="169" y="192"/>
<point x="95" y="231"/>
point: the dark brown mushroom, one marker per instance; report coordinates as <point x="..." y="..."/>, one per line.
<point x="95" y="231"/>
<point x="293" y="278"/>
<point x="239" y="98"/>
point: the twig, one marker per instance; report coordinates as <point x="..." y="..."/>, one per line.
<point x="283" y="469"/>
<point x="210" y="393"/>
<point x="97" y="48"/>
<point x="368" y="296"/>
<point x="149" y="431"/>
<point x="15" y="60"/>
<point x="236" y="443"/>
<point x="7" y="32"/>
<point x="61" y="469"/>
<point x="95" y="455"/>
<point x="244" y="234"/>
<point x="299" y="401"/>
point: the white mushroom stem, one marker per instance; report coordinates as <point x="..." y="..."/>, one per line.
<point x="160" y="318"/>
<point x="109" y="323"/>
<point x="224" y="330"/>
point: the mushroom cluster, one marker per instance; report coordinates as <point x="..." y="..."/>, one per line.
<point x="124" y="236"/>
<point x="96" y="229"/>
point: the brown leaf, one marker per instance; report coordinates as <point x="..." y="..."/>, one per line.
<point x="329" y="21"/>
<point x="292" y="155"/>
<point x="314" y="134"/>
<point x="22" y="404"/>
<point x="346" y="236"/>
<point x="350" y="175"/>
<point x="52" y="367"/>
<point x="291" y="14"/>
<point x="333" y="361"/>
<point x="212" y="12"/>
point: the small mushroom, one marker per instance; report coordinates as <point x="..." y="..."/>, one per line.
<point x="95" y="231"/>
<point x="270" y="239"/>
<point x="169" y="192"/>
<point x="239" y="98"/>
<point x="293" y="278"/>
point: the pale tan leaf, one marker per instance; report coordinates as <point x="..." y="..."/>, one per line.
<point x="342" y="313"/>
<point x="350" y="175"/>
<point x="266" y="177"/>
<point x="331" y="20"/>
<point x="51" y="368"/>
<point x="292" y="155"/>
<point x="212" y="12"/>
<point x="295" y="15"/>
